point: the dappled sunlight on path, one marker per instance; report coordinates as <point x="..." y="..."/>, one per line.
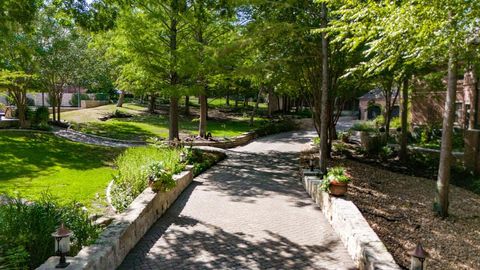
<point x="248" y="212"/>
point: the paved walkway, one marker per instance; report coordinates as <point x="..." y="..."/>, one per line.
<point x="248" y="212"/>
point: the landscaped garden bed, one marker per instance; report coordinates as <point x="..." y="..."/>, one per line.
<point x="399" y="208"/>
<point x="137" y="165"/>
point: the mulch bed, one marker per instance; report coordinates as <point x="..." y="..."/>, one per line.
<point x="399" y="208"/>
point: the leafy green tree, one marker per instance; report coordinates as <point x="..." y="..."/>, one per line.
<point x="17" y="65"/>
<point x="61" y="52"/>
<point x="17" y="84"/>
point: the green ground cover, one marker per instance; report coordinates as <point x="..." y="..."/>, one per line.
<point x="142" y="126"/>
<point x="34" y="163"/>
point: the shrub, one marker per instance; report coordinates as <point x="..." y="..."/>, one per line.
<point x="25" y="234"/>
<point x="101" y="96"/>
<point x="41" y="116"/>
<point x="3" y="107"/>
<point x="75" y="102"/>
<point x="340" y="148"/>
<point x="132" y="177"/>
<point x="396" y="123"/>
<point x="276" y="127"/>
<point x="202" y="160"/>
<point x="379" y="120"/>
<point x="367" y="126"/>
<point x="385" y="152"/>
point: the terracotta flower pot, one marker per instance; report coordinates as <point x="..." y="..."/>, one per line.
<point x="338" y="188"/>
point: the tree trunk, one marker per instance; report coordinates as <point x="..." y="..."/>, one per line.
<point x="443" y="181"/>
<point x="151" y="103"/>
<point x="324" y="101"/>
<point x="474" y="101"/>
<point x="236" y="103"/>
<point x="254" y="110"/>
<point x="187" y="105"/>
<point x="404" y="138"/>
<point x="173" y="128"/>
<point x="228" y="100"/>
<point x="59" y="104"/>
<point x="245" y="102"/>
<point x="22" y="116"/>
<point x="270" y="103"/>
<point x="121" y="99"/>
<point x="202" y="126"/>
<point x="173" y="123"/>
<point x="53" y="105"/>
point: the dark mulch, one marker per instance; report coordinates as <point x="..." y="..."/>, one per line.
<point x="399" y="208"/>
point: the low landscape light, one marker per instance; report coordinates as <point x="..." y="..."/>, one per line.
<point x="182" y="157"/>
<point x="311" y="164"/>
<point x="62" y="244"/>
<point x="418" y="258"/>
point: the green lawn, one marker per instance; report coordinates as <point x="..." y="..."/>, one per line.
<point x="33" y="163"/>
<point x="143" y="126"/>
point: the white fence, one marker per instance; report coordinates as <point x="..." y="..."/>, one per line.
<point x="42" y="99"/>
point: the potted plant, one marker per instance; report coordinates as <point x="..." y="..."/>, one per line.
<point x="336" y="181"/>
<point x="159" y="179"/>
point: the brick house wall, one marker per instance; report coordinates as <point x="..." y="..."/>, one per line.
<point x="428" y="107"/>
<point x="374" y="97"/>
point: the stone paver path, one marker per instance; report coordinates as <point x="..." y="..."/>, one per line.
<point x="90" y="139"/>
<point x="248" y="212"/>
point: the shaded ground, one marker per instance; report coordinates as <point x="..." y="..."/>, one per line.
<point x="400" y="210"/>
<point x="248" y="212"/>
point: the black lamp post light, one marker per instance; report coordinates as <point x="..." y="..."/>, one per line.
<point x="62" y="244"/>
<point x="311" y="164"/>
<point x="418" y="258"/>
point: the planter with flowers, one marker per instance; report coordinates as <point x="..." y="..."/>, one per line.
<point x="159" y="179"/>
<point x="336" y="181"/>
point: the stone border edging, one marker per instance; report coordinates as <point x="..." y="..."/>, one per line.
<point x="363" y="244"/>
<point x="127" y="228"/>
<point x="241" y="140"/>
<point x="108" y="195"/>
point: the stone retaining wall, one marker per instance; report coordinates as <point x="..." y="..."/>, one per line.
<point x="126" y="230"/>
<point x="241" y="140"/>
<point x="363" y="244"/>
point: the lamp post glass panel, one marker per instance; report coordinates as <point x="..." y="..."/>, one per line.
<point x="418" y="258"/>
<point x="62" y="245"/>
